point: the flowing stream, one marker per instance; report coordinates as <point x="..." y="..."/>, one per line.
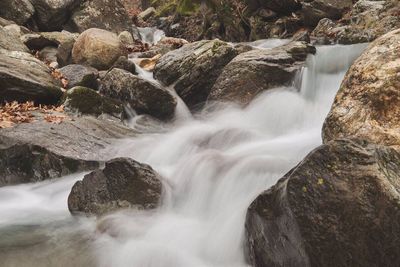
<point x="214" y="164"/>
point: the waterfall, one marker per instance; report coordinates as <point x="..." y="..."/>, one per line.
<point x="213" y="165"/>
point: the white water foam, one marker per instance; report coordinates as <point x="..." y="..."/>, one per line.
<point x="213" y="166"/>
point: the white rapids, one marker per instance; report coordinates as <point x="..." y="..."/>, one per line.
<point x="214" y="164"/>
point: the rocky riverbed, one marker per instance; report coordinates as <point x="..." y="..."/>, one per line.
<point x="199" y="133"/>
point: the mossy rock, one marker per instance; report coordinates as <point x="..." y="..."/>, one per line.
<point x="87" y="101"/>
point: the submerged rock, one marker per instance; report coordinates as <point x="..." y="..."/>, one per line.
<point x="123" y="183"/>
<point x="25" y="78"/>
<point x="26" y="163"/>
<point x="194" y="68"/>
<point x="367" y="105"/>
<point x="142" y="95"/>
<point x="87" y="101"/>
<point x="339" y="207"/>
<point x="258" y="70"/>
<point x="97" y="48"/>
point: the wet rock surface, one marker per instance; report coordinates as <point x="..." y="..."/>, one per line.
<point x="143" y="96"/>
<point x="367" y="104"/>
<point x="123" y="183"/>
<point x="194" y="68"/>
<point x="338" y="207"/>
<point x="253" y="72"/>
<point x="26" y="163"/>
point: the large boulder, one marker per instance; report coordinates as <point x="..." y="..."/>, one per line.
<point x="258" y="70"/>
<point x="25" y="78"/>
<point x="11" y="42"/>
<point x="97" y="48"/>
<point x="19" y="11"/>
<point x="194" y="68"/>
<point x="26" y="163"/>
<point x="80" y="75"/>
<point x="123" y="183"/>
<point x="51" y="15"/>
<point x="339" y="207"/>
<point x="142" y="95"/>
<point x="87" y="101"/>
<point x="368" y="102"/>
<point x="104" y="14"/>
<point x="315" y="10"/>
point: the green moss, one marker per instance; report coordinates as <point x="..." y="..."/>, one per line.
<point x="87" y="101"/>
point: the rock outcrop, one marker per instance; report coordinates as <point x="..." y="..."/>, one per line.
<point x="194" y="68"/>
<point x="142" y="95"/>
<point x="25" y="78"/>
<point x="367" y="105"/>
<point x="258" y="70"/>
<point x="97" y="48"/>
<point x="123" y="183"/>
<point x="26" y="163"/>
<point x="339" y="207"/>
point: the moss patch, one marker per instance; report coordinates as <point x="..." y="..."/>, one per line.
<point x="87" y="101"/>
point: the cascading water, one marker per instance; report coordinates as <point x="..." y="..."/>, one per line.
<point x="213" y="166"/>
